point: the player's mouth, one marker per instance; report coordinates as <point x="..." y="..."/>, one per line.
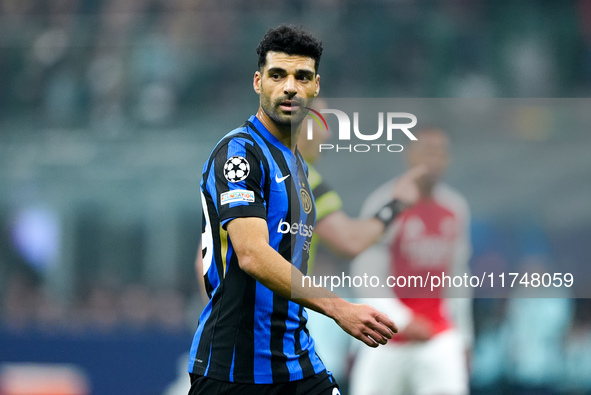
<point x="289" y="105"/>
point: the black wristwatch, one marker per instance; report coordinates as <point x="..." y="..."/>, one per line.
<point x="390" y="211"/>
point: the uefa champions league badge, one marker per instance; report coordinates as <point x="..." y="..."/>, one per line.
<point x="236" y="169"/>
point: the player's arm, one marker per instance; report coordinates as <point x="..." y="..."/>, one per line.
<point x="250" y="239"/>
<point x="350" y="236"/>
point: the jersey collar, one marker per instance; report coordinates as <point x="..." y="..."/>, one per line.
<point x="268" y="135"/>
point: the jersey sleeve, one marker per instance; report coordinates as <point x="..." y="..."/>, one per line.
<point x="236" y="181"/>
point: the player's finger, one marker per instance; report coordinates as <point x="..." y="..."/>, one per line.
<point x="382" y="331"/>
<point x="368" y="340"/>
<point x="378" y="337"/>
<point x="386" y="321"/>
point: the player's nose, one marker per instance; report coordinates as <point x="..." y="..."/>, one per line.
<point x="289" y="87"/>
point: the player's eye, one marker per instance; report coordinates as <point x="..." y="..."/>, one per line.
<point x="276" y="76"/>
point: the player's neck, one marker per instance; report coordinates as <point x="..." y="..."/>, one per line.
<point x="283" y="134"/>
<point x="426" y="190"/>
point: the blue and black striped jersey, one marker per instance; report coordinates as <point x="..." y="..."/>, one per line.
<point x="247" y="333"/>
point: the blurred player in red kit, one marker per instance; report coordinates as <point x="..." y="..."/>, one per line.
<point x="429" y="357"/>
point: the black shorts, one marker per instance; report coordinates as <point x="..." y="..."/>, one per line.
<point x="321" y="384"/>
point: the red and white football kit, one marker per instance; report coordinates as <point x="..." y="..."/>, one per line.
<point x="428" y="239"/>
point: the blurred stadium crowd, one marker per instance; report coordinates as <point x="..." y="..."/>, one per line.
<point x="109" y="109"/>
<point x="104" y="61"/>
<point x="100" y="309"/>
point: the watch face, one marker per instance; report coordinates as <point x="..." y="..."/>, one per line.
<point x="386" y="213"/>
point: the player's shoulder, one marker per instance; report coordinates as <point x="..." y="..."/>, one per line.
<point x="240" y="135"/>
<point x="237" y="140"/>
<point x="450" y="197"/>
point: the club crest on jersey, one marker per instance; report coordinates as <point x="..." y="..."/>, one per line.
<point x="236" y="169"/>
<point x="306" y="201"/>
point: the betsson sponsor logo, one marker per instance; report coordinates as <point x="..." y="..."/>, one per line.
<point x="295" y="228"/>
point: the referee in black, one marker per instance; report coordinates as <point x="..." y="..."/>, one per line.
<point x="258" y="220"/>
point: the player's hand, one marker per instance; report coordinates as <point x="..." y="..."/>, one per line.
<point x="365" y="323"/>
<point x="418" y="329"/>
<point x="406" y="187"/>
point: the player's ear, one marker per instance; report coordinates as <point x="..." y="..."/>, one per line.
<point x="256" y="82"/>
<point x="317" y="91"/>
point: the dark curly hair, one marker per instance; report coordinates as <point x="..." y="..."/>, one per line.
<point x="292" y="40"/>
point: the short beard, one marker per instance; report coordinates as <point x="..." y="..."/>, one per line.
<point x="283" y="120"/>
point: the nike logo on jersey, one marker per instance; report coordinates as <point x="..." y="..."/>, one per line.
<point x="280" y="180"/>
